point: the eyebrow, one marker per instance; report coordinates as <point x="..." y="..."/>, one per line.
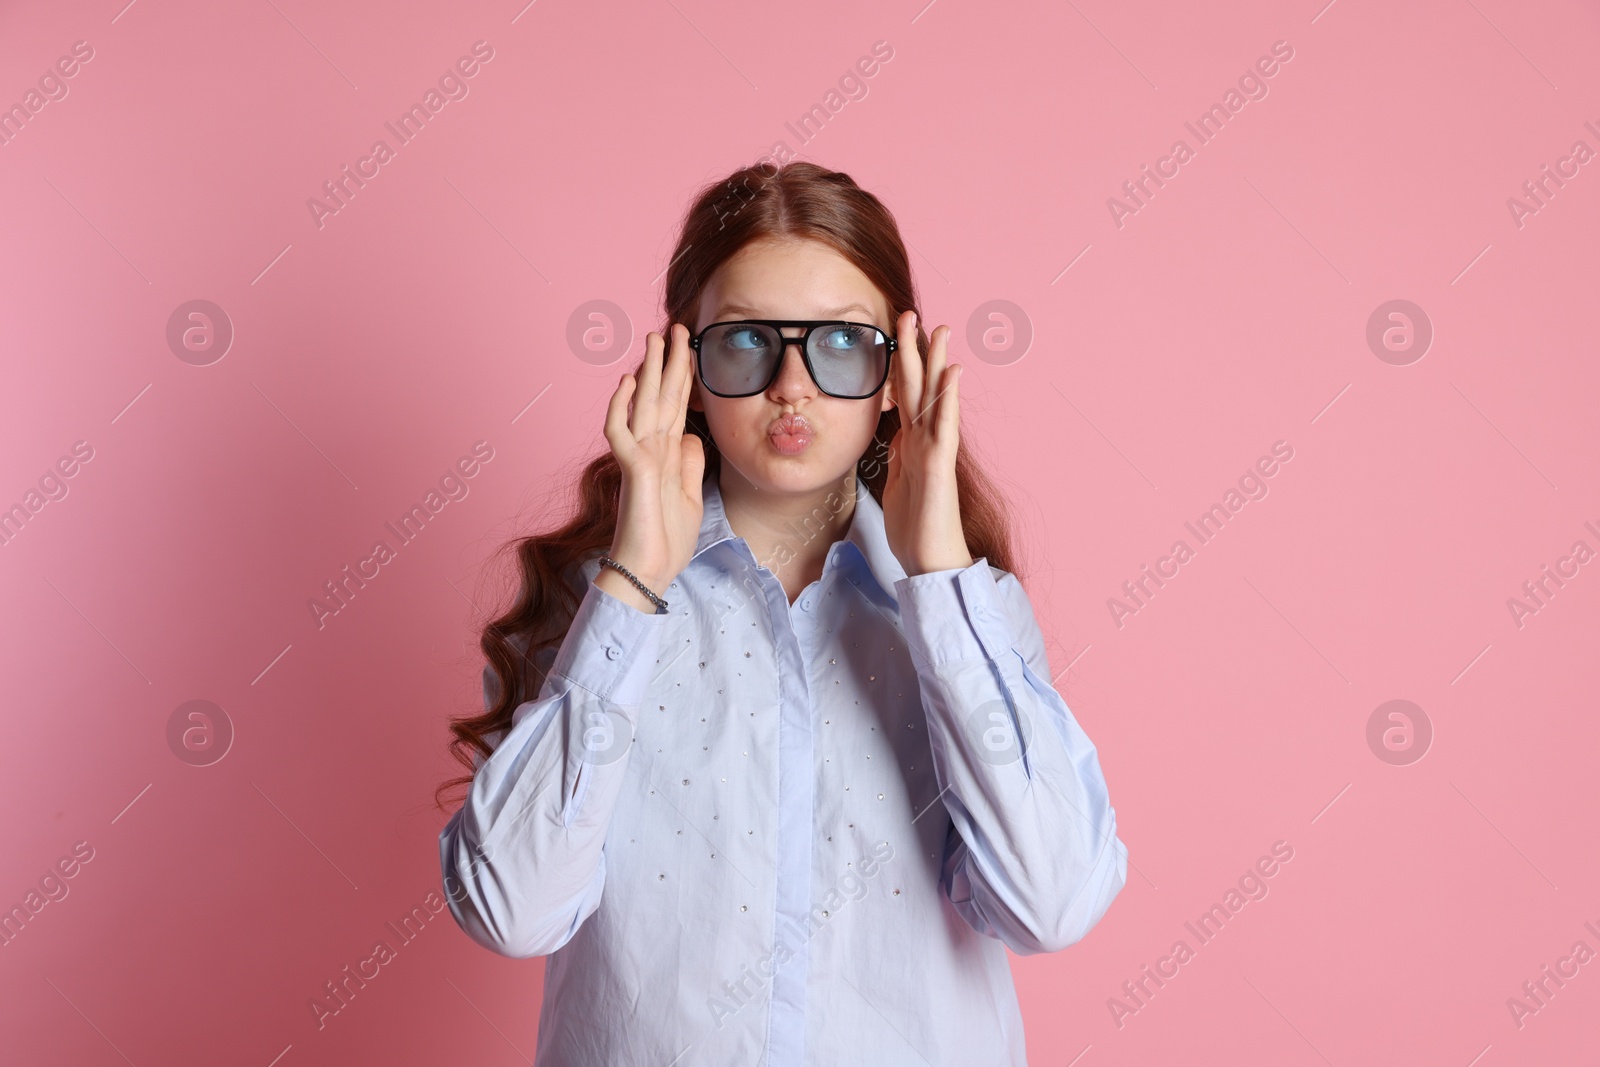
<point x="750" y="312"/>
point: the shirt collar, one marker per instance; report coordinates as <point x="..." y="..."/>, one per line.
<point x="866" y="536"/>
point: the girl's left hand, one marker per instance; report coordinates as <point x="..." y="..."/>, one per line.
<point x="921" y="508"/>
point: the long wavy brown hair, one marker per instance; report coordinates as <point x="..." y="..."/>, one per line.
<point x="797" y="200"/>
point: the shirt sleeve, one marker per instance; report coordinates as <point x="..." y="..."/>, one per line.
<point x="1034" y="859"/>
<point x="522" y="859"/>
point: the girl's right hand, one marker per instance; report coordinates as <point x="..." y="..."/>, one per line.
<point x="658" y="517"/>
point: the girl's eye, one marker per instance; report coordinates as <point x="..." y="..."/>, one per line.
<point x="746" y="337"/>
<point x="843" y="337"/>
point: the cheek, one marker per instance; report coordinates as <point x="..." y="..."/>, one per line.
<point x="731" y="422"/>
<point x="855" y="427"/>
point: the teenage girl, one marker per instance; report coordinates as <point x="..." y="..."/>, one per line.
<point x="771" y="767"/>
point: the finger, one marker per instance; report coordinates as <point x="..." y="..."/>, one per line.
<point x="909" y="378"/>
<point x="937" y="354"/>
<point x="671" y="373"/>
<point x="691" y="365"/>
<point x="647" y="394"/>
<point x="682" y="376"/>
<point x="693" y="465"/>
<point x="943" y="381"/>
<point x="948" y="429"/>
<point x="616" y="429"/>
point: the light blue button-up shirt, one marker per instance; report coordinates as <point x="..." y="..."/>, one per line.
<point x="750" y="832"/>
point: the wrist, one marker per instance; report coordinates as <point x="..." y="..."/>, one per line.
<point x="952" y="563"/>
<point x="613" y="583"/>
<point x="642" y="568"/>
<point x="647" y="588"/>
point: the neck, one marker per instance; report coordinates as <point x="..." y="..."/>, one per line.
<point x="789" y="533"/>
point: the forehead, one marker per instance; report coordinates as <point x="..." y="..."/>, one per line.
<point x="791" y="279"/>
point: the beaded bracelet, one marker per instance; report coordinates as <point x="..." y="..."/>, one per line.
<point x="661" y="605"/>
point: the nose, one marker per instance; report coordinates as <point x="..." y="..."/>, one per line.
<point x="793" y="381"/>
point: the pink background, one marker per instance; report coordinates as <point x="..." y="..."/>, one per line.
<point x="1228" y="313"/>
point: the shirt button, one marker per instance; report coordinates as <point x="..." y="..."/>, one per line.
<point x="805" y="604"/>
<point x="612" y="652"/>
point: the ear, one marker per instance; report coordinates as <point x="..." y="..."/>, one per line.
<point x="888" y="395"/>
<point x="695" y="403"/>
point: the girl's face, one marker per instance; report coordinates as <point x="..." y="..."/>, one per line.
<point x="791" y="279"/>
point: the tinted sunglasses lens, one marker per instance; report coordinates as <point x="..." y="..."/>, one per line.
<point x="737" y="359"/>
<point x="849" y="361"/>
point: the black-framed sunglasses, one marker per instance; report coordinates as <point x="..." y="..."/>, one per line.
<point x="848" y="360"/>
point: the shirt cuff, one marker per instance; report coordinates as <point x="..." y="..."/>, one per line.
<point x="611" y="648"/>
<point x="954" y="615"/>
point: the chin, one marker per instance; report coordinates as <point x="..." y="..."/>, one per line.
<point x="806" y="472"/>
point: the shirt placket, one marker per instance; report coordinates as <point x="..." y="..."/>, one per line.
<point x="786" y="1030"/>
